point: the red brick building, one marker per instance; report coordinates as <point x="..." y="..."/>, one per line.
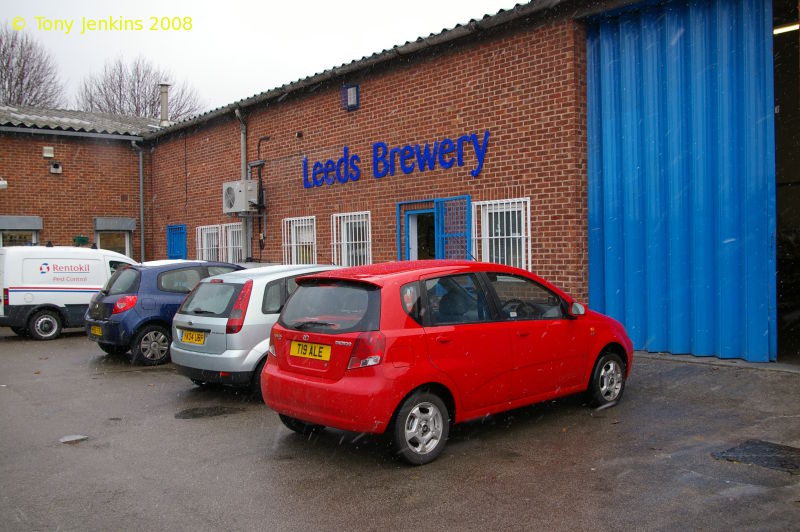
<point x="71" y="174"/>
<point x="626" y="151"/>
<point x="530" y="122"/>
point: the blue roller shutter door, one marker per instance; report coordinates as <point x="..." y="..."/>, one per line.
<point x="682" y="176"/>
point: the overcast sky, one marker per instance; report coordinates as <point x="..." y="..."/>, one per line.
<point x="235" y="48"/>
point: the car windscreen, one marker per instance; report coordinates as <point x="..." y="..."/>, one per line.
<point x="211" y="299"/>
<point x="333" y="307"/>
<point x="124" y="281"/>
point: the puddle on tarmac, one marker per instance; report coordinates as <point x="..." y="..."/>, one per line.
<point x="764" y="454"/>
<point x="207" y="411"/>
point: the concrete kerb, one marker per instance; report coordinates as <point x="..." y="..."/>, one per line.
<point x="714" y="361"/>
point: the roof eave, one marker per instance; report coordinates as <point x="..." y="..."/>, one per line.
<point x="474" y="27"/>
<point x="71" y="133"/>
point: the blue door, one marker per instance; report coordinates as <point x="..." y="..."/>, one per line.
<point x="438" y="228"/>
<point x="453" y="228"/>
<point x="176" y="241"/>
<point x="682" y="176"/>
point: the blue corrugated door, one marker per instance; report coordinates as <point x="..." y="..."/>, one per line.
<point x="452" y="221"/>
<point x="176" y="241"/>
<point x="682" y="176"/>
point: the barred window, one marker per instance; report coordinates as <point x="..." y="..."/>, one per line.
<point x="501" y="231"/>
<point x="300" y="240"/>
<point x="351" y="238"/>
<point x="221" y="242"/>
<point x="232" y="242"/>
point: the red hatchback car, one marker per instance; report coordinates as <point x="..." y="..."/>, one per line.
<point x="411" y="347"/>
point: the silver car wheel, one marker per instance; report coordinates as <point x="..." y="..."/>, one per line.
<point x="154" y="345"/>
<point x="610" y="381"/>
<point x="423" y="428"/>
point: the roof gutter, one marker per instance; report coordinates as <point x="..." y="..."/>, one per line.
<point x="63" y="133"/>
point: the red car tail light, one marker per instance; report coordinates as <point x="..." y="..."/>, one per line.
<point x="239" y="310"/>
<point x="274" y="337"/>
<point x="124" y="303"/>
<point x="368" y="350"/>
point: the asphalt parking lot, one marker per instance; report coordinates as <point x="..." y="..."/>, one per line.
<point x="163" y="453"/>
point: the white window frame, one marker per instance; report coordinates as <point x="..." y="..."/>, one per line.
<point x="517" y="235"/>
<point x="207" y="242"/>
<point x="221" y="242"/>
<point x="344" y="247"/>
<point x="99" y="243"/>
<point x="34" y="235"/>
<point x="232" y="242"/>
<point x="293" y="241"/>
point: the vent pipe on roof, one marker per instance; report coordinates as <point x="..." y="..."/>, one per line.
<point x="164" y="96"/>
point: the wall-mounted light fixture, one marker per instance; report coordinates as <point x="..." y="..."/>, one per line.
<point x="55" y="167"/>
<point x="3" y="184"/>
<point x="349" y="97"/>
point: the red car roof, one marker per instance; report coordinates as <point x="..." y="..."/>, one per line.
<point x="377" y="273"/>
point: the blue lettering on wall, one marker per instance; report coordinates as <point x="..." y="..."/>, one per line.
<point x="379" y="164"/>
<point x="385" y="160"/>
<point x="329" y="172"/>
<point x="445" y="149"/>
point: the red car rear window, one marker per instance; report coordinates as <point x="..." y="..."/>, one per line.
<point x="333" y="307"/>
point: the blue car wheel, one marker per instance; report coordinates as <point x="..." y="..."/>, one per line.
<point x="150" y="346"/>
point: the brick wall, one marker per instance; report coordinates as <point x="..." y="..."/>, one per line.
<point x="188" y="170"/>
<point x="99" y="178"/>
<point x="526" y="86"/>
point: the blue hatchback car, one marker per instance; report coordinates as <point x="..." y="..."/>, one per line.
<point x="134" y="311"/>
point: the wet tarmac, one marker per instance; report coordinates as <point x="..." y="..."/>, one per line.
<point x="161" y="452"/>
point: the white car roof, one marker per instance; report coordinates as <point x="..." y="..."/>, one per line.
<point x="276" y="271"/>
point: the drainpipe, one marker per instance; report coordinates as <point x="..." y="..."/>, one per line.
<point x="242" y="141"/>
<point x="141" y="201"/>
<point x="247" y="222"/>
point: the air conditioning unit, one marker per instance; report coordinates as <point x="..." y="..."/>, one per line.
<point x="239" y="196"/>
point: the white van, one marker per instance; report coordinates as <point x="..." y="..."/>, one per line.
<point x="48" y="288"/>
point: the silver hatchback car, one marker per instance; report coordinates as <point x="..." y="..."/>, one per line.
<point x="221" y="332"/>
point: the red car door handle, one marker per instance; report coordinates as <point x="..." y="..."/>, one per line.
<point x="523" y="333"/>
<point x="443" y="339"/>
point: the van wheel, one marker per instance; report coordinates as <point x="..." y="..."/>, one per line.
<point x="20" y="331"/>
<point x="150" y="347"/>
<point x="421" y="426"/>
<point x="45" y="325"/>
